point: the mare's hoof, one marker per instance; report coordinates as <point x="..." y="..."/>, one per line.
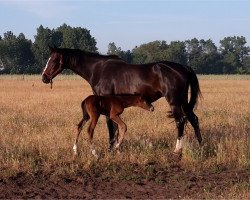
<point x="111" y="149"/>
<point x="178" y="151"/>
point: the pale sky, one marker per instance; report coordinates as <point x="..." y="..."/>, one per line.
<point x="130" y="23"/>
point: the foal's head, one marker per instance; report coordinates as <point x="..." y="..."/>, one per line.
<point x="54" y="65"/>
<point x="141" y="102"/>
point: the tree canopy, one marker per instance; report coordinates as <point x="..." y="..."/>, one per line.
<point x="65" y="37"/>
<point x="203" y="56"/>
<point x="20" y="55"/>
<point x="16" y="54"/>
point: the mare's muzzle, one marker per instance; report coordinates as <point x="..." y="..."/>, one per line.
<point x="45" y="79"/>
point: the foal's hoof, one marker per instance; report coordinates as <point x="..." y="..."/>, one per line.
<point x="117" y="145"/>
<point x="93" y="152"/>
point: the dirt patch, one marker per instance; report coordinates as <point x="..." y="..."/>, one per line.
<point x="175" y="182"/>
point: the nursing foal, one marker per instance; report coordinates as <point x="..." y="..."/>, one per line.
<point x="111" y="106"/>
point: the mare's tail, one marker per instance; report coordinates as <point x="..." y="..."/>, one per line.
<point x="195" y="89"/>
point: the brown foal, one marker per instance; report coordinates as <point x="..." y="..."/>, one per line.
<point x="111" y="106"/>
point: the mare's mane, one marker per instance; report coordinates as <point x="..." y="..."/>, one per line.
<point x="79" y="52"/>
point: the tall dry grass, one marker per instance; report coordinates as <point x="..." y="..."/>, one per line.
<point x="38" y="127"/>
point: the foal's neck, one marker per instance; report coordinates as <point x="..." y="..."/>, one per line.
<point x="129" y="101"/>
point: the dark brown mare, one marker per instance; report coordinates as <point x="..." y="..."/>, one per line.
<point x="111" y="106"/>
<point x="110" y="75"/>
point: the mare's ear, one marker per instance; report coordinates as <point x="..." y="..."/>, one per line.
<point x="51" y="49"/>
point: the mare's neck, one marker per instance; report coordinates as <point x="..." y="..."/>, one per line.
<point x="86" y="64"/>
<point x="82" y="63"/>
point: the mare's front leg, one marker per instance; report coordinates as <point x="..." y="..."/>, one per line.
<point x="112" y="128"/>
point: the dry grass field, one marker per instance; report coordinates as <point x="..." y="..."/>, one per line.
<point x="38" y="127"/>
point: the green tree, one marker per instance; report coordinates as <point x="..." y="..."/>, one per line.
<point x="113" y="50"/>
<point x="16" y="53"/>
<point x="194" y="53"/>
<point x="176" y="52"/>
<point x="233" y="50"/>
<point x="43" y="38"/>
<point x="64" y="36"/>
<point x="203" y="56"/>
<point x="245" y="69"/>
<point x="150" y="52"/>
<point x="209" y="58"/>
<point x="125" y="55"/>
<point x="76" y="38"/>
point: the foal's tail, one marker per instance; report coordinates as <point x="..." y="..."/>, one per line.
<point x="195" y="89"/>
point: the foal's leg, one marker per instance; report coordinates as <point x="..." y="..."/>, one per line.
<point x="122" y="129"/>
<point x="91" y="128"/>
<point x="79" y="129"/>
<point x="180" y="122"/>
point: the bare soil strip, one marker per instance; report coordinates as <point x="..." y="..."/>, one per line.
<point x="173" y="183"/>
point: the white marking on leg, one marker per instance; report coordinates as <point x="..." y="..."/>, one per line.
<point x="93" y="152"/>
<point x="75" y="149"/>
<point x="46" y="65"/>
<point x="117" y="145"/>
<point x="178" y="147"/>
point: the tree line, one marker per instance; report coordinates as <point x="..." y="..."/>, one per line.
<point x="19" y="55"/>
<point x="203" y="56"/>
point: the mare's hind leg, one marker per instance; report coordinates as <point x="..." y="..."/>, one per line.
<point x="180" y="122"/>
<point x="112" y="128"/>
<point x="193" y="119"/>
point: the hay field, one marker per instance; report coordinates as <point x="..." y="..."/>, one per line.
<point x="38" y="127"/>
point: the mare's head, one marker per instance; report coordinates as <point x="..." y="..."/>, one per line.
<point x="141" y="102"/>
<point x="54" y="65"/>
